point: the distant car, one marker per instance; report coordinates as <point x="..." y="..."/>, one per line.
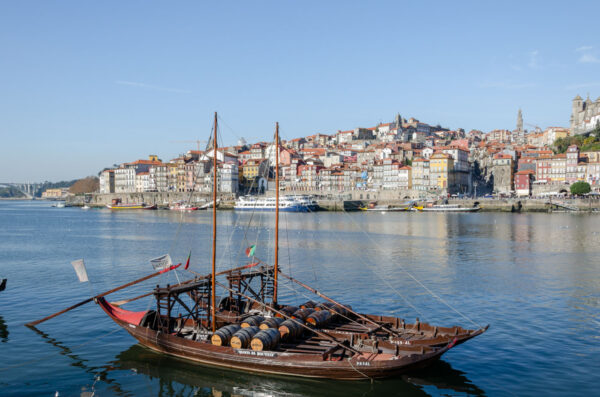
<point x="488" y="196"/>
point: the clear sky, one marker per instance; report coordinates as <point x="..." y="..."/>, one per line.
<point x="85" y="85"/>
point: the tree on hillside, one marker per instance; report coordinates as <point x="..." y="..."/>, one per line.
<point x="580" y="188"/>
<point x="561" y="144"/>
<point x="86" y="185"/>
<point x="589" y="140"/>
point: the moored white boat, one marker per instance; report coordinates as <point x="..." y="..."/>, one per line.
<point x="183" y="207"/>
<point x="286" y="203"/>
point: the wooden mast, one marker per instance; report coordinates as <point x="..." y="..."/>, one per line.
<point x="276" y="267"/>
<point x="214" y="242"/>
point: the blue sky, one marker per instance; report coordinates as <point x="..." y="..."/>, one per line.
<point x="89" y="84"/>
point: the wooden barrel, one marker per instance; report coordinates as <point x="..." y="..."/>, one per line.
<point x="324" y="306"/>
<point x="288" y="310"/>
<point x="318" y="319"/>
<point x="252" y="321"/>
<point x="222" y="336"/>
<point x="271" y="322"/>
<point x="242" y="338"/>
<point x="290" y="330"/>
<point x="303" y="313"/>
<point x="308" y="305"/>
<point x="267" y="339"/>
<point x="341" y="312"/>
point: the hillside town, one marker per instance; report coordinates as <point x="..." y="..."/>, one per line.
<point x="405" y="157"/>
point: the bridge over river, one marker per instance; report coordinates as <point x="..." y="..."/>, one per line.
<point x="27" y="188"/>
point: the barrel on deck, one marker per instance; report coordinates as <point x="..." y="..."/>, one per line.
<point x="318" y="319"/>
<point x="308" y="305"/>
<point x="271" y="322"/>
<point x="324" y="306"/>
<point x="267" y="339"/>
<point x="339" y="311"/>
<point x="242" y="338"/>
<point x="252" y="321"/>
<point x="222" y="336"/>
<point x="290" y="329"/>
<point x="287" y="310"/>
<point x="302" y="314"/>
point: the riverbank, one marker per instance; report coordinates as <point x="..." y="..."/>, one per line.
<point x="227" y="201"/>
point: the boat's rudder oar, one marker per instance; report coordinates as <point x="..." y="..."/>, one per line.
<point x="33" y="323"/>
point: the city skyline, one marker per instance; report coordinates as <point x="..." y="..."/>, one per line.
<point x="87" y="86"/>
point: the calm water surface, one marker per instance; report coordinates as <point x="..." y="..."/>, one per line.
<point x="535" y="278"/>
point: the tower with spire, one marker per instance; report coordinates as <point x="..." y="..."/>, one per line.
<point x="520" y="122"/>
<point x="398" y="121"/>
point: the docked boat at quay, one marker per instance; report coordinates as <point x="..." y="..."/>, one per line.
<point x="118" y="205"/>
<point x="295" y="203"/>
<point x="134" y="206"/>
<point x="390" y="208"/>
<point x="183" y="207"/>
<point x="450" y="208"/>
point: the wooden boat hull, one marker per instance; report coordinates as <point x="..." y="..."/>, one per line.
<point x="415" y="334"/>
<point x="132" y="207"/>
<point x="274" y="362"/>
<point x="460" y="209"/>
<point x="391" y="209"/>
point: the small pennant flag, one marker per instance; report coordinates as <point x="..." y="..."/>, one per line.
<point x="250" y="251"/>
<point x="162" y="262"/>
<point x="251" y="265"/>
<point x="168" y="269"/>
<point x="187" y="264"/>
<point x="79" y="267"/>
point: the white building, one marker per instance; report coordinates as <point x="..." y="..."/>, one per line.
<point x="142" y="182"/>
<point x="124" y="180"/>
<point x="107" y="181"/>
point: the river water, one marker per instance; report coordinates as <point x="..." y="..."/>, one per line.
<point x="535" y="278"/>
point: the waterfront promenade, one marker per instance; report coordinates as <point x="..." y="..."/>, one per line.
<point x="353" y="200"/>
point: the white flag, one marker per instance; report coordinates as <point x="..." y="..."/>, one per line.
<point x="79" y="267"/>
<point x="162" y="262"/>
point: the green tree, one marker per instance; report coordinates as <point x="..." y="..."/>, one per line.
<point x="589" y="140"/>
<point x="580" y="188"/>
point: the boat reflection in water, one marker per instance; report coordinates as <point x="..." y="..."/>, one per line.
<point x="177" y="377"/>
<point x="3" y="331"/>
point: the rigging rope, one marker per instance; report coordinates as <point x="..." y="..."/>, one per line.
<point x="380" y="248"/>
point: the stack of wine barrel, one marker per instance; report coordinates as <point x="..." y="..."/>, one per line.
<point x="265" y="333"/>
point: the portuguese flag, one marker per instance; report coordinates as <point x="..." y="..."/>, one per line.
<point x="187" y="264"/>
<point x="250" y="251"/>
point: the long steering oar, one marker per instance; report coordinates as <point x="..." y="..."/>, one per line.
<point x="33" y="323"/>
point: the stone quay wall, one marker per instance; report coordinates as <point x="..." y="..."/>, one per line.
<point x="349" y="201"/>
